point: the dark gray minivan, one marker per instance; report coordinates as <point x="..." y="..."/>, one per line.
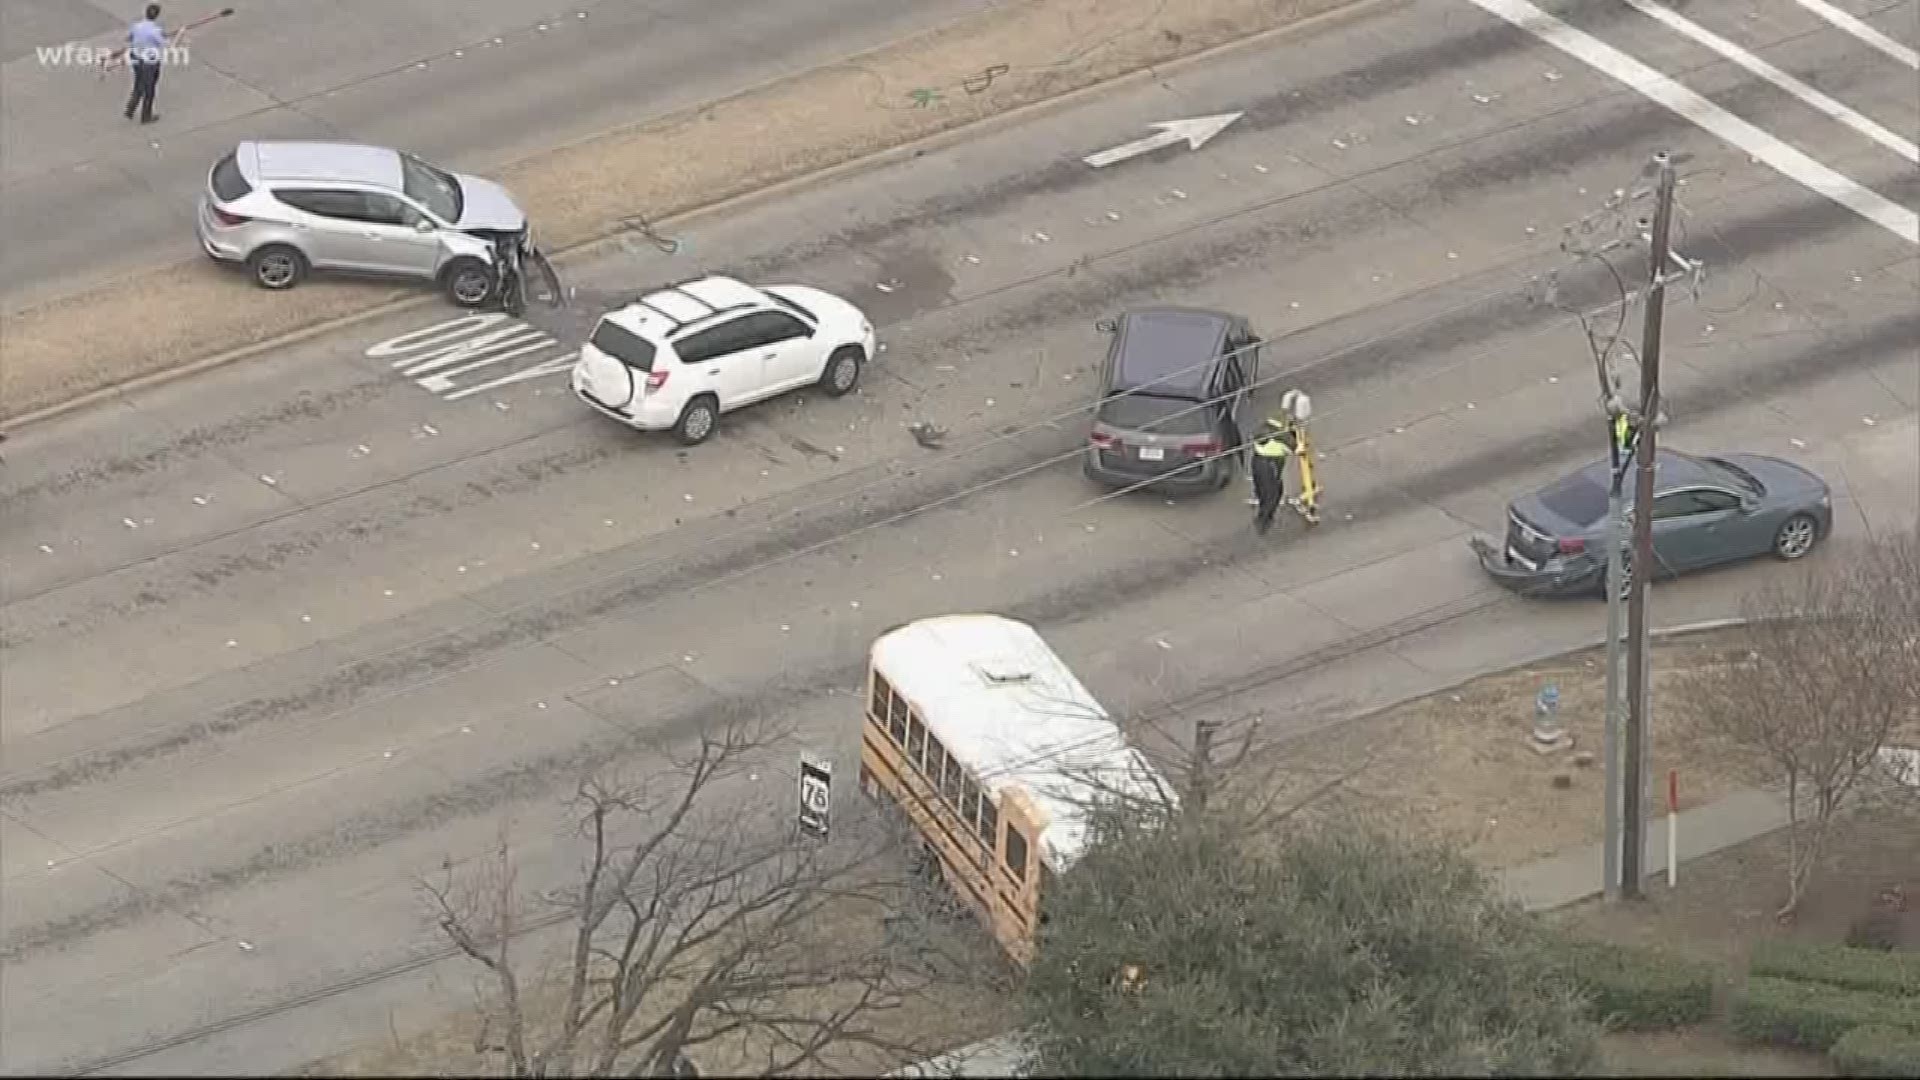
<point x="1171" y="393"/>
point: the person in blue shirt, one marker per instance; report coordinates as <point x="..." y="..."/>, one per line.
<point x="146" y="48"/>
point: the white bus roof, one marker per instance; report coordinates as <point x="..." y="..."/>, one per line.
<point x="998" y="698"/>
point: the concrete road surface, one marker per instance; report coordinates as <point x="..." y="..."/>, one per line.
<point x="471" y="84"/>
<point x="283" y="638"/>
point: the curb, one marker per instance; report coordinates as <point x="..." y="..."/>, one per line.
<point x="611" y="235"/>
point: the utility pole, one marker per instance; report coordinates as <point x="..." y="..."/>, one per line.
<point x="1641" y="569"/>
<point x="1617" y="460"/>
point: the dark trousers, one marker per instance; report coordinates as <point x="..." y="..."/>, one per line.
<point x="1269" y="490"/>
<point x="146" y="80"/>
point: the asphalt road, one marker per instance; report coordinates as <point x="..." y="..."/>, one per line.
<point x="283" y="638"/>
<point x="474" y="84"/>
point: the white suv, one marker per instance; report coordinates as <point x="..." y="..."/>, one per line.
<point x="678" y="358"/>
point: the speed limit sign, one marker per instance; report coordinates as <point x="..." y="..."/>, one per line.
<point x="816" y="794"/>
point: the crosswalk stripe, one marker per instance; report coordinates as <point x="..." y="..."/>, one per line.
<point x="1788" y="161"/>
<point x="1674" y="21"/>
<point x="1862" y="30"/>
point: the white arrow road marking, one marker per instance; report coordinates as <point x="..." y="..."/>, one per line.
<point x="1195" y="132"/>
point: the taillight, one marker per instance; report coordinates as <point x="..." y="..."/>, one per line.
<point x="229" y="220"/>
<point x="1571" y="547"/>
<point x="656" y="379"/>
<point x="1103" y="440"/>
<point x="1203" y="448"/>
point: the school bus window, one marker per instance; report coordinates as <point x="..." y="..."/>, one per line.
<point x="882" y="696"/>
<point x="935" y="761"/>
<point x="989" y="820"/>
<point x="950" y="784"/>
<point x="1016" y="856"/>
<point x="969" y="800"/>
<point x="897" y="718"/>
<point x="917" y="738"/>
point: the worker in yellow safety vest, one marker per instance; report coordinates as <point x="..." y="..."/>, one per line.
<point x="1276" y="443"/>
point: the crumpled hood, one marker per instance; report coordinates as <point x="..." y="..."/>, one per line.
<point x="487" y="205"/>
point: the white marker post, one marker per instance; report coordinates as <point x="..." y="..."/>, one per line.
<point x="1673" y="827"/>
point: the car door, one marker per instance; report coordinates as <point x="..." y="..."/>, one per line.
<point x="400" y="239"/>
<point x="717" y="360"/>
<point x="327" y="226"/>
<point x="1686" y="528"/>
<point x="786" y="350"/>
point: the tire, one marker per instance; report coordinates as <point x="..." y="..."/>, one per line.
<point x="697" y="420"/>
<point x="1795" y="537"/>
<point x="842" y="372"/>
<point x="277" y="267"/>
<point x="468" y="282"/>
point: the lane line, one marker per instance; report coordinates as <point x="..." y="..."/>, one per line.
<point x="1784" y="159"/>
<point x="1812" y="97"/>
<point x="1863" y="30"/>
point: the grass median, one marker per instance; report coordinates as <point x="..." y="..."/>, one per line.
<point x="1004" y="58"/>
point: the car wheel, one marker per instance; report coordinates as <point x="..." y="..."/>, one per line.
<point x="469" y="282"/>
<point x="277" y="267"/>
<point x="842" y="373"/>
<point x="1795" y="537"/>
<point x="697" y="420"/>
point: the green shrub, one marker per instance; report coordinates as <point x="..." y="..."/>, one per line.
<point x="1838" y="965"/>
<point x="1636" y="989"/>
<point x="1877" y="1050"/>
<point x="1813" y="1015"/>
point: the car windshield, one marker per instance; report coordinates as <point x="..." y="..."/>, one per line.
<point x="1747" y="480"/>
<point x="630" y="349"/>
<point x="1579" y="498"/>
<point x="431" y="187"/>
<point x="1162" y="416"/>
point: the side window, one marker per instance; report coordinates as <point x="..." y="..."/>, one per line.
<point x="916" y="739"/>
<point x="388" y="210"/>
<point x="770" y="328"/>
<point x="712" y="343"/>
<point x="1678" y="504"/>
<point x="989" y="819"/>
<point x="880" y="699"/>
<point x="952" y="785"/>
<point x="897" y="719"/>
<point x="1016" y="853"/>
<point x="934" y="762"/>
<point x="1710" y="501"/>
<point x="343" y="205"/>
<point x="969" y="801"/>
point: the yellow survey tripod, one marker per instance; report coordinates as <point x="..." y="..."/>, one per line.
<point x="1295" y="409"/>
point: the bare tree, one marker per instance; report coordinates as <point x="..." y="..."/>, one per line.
<point x="1829" y="676"/>
<point x="698" y="919"/>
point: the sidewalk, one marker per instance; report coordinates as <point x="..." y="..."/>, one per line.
<point x="1552" y="882"/>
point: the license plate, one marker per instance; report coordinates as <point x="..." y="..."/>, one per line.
<point x="1514" y="556"/>
<point x="1152" y="453"/>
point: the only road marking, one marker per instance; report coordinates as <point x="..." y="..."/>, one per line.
<point x="435" y="356"/>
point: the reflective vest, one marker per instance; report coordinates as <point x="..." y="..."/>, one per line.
<point x="1272" y="446"/>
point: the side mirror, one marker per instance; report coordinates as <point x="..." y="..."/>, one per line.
<point x="422" y="226"/>
<point x="1106" y="326"/>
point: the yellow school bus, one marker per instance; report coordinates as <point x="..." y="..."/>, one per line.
<point x="980" y="735"/>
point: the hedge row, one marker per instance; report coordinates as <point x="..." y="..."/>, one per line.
<point x="1877" y="1050"/>
<point x="1836" y="965"/>
<point x="1814" y="1015"/>
<point x="1635" y="989"/>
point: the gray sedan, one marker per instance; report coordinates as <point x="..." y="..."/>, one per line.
<point x="1706" y="511"/>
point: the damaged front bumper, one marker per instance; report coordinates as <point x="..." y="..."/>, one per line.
<point x="1555" y="578"/>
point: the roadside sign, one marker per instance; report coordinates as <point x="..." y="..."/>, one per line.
<point x="816" y="794"/>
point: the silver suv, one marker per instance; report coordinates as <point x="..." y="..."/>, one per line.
<point x="284" y="208"/>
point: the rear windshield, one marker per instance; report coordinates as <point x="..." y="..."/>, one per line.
<point x="628" y="348"/>
<point x="1165" y="416"/>
<point x="226" y="181"/>
<point x="1579" y="498"/>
